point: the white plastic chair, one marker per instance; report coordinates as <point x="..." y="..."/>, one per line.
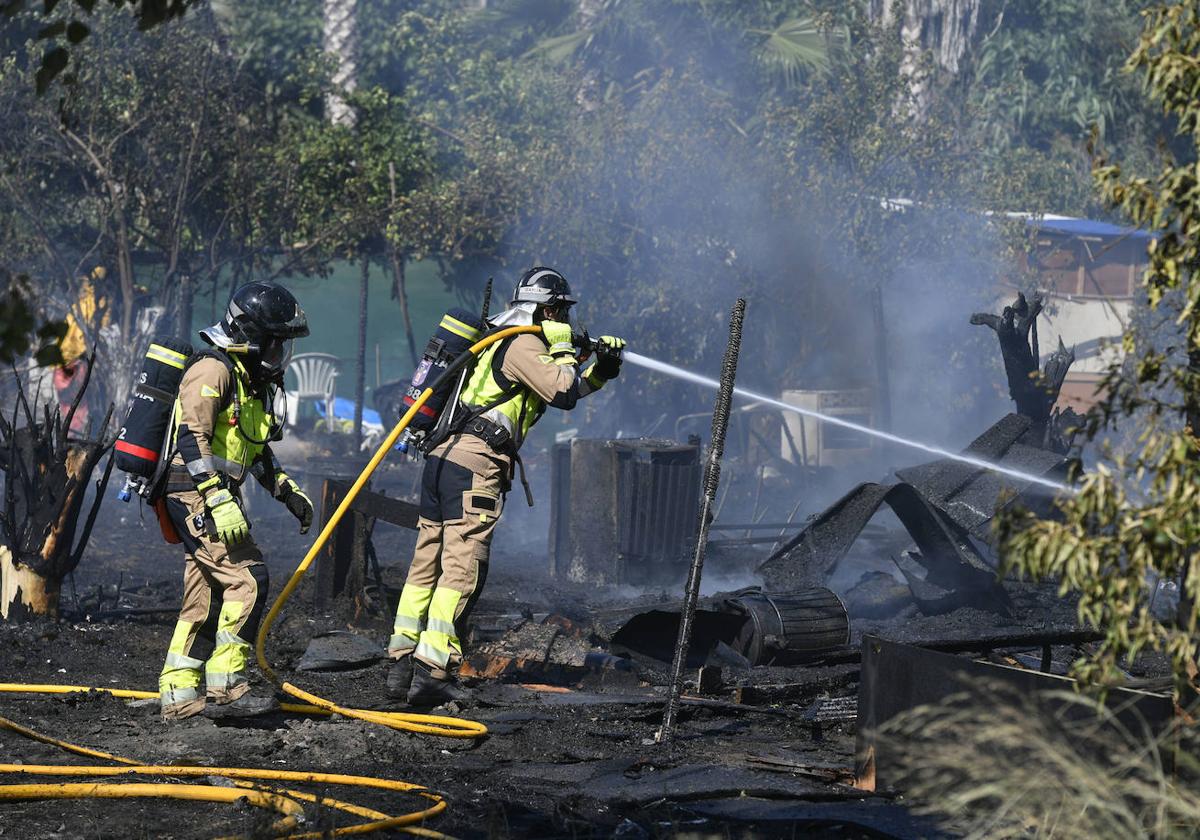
<point x="316" y="378"/>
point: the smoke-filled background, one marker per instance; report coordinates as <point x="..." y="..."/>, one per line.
<point x="845" y="167"/>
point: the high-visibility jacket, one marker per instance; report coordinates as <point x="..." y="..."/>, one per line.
<point x="523" y="367"/>
<point x="221" y="426"/>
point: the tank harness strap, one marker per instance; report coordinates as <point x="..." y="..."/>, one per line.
<point x="169" y="479"/>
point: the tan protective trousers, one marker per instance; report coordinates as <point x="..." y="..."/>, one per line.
<point x="224" y="591"/>
<point x="462" y="497"/>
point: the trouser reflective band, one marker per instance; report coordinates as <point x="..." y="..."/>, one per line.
<point x="439" y="640"/>
<point x="180" y="675"/>
<point x="177" y="696"/>
<point x="227" y="664"/>
<point x="410" y="615"/>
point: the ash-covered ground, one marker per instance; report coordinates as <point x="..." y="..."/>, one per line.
<point x="573" y="759"/>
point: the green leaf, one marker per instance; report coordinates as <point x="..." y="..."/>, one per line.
<point x="795" y="46"/>
<point x="560" y="48"/>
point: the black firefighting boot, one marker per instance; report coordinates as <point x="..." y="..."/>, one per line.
<point x="400" y="677"/>
<point x="428" y="690"/>
<point x="248" y="705"/>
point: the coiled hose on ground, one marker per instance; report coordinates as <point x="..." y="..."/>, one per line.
<point x="247" y="782"/>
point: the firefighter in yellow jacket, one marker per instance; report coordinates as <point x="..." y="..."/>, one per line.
<point x="222" y="429"/>
<point x="466" y="477"/>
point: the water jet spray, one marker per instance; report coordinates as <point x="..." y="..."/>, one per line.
<point x="688" y="376"/>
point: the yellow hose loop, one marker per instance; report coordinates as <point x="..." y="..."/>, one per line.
<point x="426" y="724"/>
<point x="379" y="821"/>
<point x="197" y="793"/>
<point x="447" y="727"/>
<point x="131" y="694"/>
<point x="5" y="723"/>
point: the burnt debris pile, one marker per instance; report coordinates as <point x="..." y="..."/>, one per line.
<point x="947" y="507"/>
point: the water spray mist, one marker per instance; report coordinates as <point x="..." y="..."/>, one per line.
<point x="688" y="376"/>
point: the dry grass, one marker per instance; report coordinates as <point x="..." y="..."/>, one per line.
<point x="1066" y="769"/>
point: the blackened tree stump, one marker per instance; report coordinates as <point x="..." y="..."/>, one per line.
<point x="46" y="477"/>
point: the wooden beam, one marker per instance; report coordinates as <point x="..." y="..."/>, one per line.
<point x="379" y="506"/>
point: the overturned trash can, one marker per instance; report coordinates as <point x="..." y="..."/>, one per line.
<point x="784" y="627"/>
<point x="765" y="628"/>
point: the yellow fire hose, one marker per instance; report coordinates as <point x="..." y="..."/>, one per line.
<point x="283" y="801"/>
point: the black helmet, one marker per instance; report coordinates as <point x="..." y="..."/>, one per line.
<point x="544" y="286"/>
<point x="265" y="317"/>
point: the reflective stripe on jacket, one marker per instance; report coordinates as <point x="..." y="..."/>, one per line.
<point x="524" y="361"/>
<point x="215" y="416"/>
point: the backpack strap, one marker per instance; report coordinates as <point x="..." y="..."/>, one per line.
<point x="159" y="483"/>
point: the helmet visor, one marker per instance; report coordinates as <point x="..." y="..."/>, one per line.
<point x="276" y="353"/>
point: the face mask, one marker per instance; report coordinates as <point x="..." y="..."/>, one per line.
<point x="561" y="314"/>
<point x="276" y="354"/>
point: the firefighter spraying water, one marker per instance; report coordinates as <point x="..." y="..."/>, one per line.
<point x="472" y="438"/>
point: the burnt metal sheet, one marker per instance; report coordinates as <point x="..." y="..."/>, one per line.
<point x="969" y="495"/>
<point x="941" y="479"/>
<point x="876" y="817"/>
<point x="621" y="785"/>
<point x="896" y="678"/>
<point x="950" y="562"/>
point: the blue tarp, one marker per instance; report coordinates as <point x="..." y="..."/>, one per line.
<point x="343" y="409"/>
<point x="1085" y="227"/>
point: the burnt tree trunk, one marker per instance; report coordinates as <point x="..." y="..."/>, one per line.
<point x="46" y="477"/>
<point x="1034" y="391"/>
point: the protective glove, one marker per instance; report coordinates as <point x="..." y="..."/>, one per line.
<point x="608" y="357"/>
<point x="297" y="502"/>
<point x="229" y="523"/>
<point x="558" y="336"/>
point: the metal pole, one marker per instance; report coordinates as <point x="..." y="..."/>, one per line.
<point x="712" y="478"/>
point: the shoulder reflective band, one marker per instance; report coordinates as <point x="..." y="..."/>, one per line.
<point x="166" y="355"/>
<point x="459" y="328"/>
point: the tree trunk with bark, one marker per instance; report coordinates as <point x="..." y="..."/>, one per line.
<point x="948" y="29"/>
<point x="46" y="477"/>
<point x="396" y="261"/>
<point x="883" y="380"/>
<point x="340" y="40"/>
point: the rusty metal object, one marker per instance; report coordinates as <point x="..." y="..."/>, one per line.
<point x="897" y="678"/>
<point x="712" y="477"/>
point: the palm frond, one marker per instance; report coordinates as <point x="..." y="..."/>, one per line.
<point x="561" y="47"/>
<point x="795" y="47"/>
